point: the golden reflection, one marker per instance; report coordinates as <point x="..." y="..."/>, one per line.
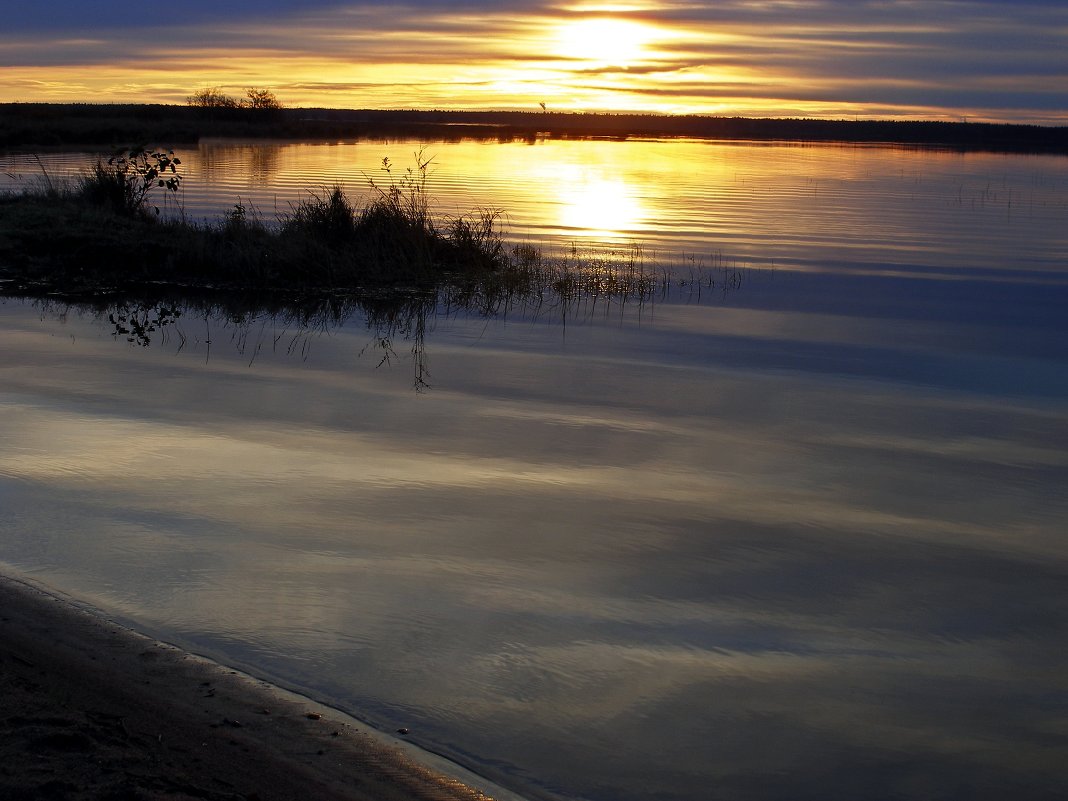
<point x="599" y="206"/>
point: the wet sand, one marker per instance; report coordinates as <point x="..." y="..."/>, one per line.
<point x="92" y="710"/>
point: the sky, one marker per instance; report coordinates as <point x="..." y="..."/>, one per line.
<point x="989" y="60"/>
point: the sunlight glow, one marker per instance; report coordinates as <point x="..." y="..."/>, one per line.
<point x="601" y="207"/>
<point x="605" y="41"/>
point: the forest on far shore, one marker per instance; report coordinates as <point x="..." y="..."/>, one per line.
<point x="59" y="125"/>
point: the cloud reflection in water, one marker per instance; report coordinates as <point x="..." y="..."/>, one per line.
<point x="756" y="550"/>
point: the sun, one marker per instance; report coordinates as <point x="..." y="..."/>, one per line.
<point x="604" y="41"/>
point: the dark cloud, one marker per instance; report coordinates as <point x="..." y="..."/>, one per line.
<point x="124" y="14"/>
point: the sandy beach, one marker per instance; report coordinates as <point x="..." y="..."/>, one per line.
<point x="92" y="710"/>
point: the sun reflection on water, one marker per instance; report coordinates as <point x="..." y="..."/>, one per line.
<point x="600" y="206"/>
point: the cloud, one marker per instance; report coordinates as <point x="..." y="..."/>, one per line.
<point x="947" y="57"/>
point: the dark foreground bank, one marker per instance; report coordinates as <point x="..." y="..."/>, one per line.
<point x="91" y="710"/>
<point x="105" y="231"/>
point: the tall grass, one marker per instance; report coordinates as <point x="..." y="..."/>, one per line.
<point x="109" y="190"/>
<point x="329" y="219"/>
<point x="123" y="183"/>
<point x="394" y="233"/>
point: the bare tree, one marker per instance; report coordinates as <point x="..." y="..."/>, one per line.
<point x="211" y="97"/>
<point x="260" y="98"/>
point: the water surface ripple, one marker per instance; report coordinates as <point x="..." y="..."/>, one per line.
<point x="800" y="536"/>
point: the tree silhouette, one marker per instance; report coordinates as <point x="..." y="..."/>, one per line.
<point x="260" y="99"/>
<point x="211" y="97"/>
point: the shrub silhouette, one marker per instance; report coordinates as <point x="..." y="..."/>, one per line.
<point x="123" y="183"/>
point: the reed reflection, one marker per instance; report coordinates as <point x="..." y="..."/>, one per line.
<point x="576" y="287"/>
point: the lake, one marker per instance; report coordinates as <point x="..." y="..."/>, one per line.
<point x="792" y="527"/>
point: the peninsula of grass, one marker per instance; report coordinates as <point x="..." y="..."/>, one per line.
<point x="105" y="233"/>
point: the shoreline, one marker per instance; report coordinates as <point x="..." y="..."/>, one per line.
<point x="39" y="124"/>
<point x="93" y="709"/>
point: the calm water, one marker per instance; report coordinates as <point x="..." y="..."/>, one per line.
<point x="797" y="537"/>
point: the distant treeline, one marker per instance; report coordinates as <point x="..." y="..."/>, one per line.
<point x="57" y="125"/>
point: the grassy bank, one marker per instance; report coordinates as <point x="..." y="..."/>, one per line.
<point x="105" y="231"/>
